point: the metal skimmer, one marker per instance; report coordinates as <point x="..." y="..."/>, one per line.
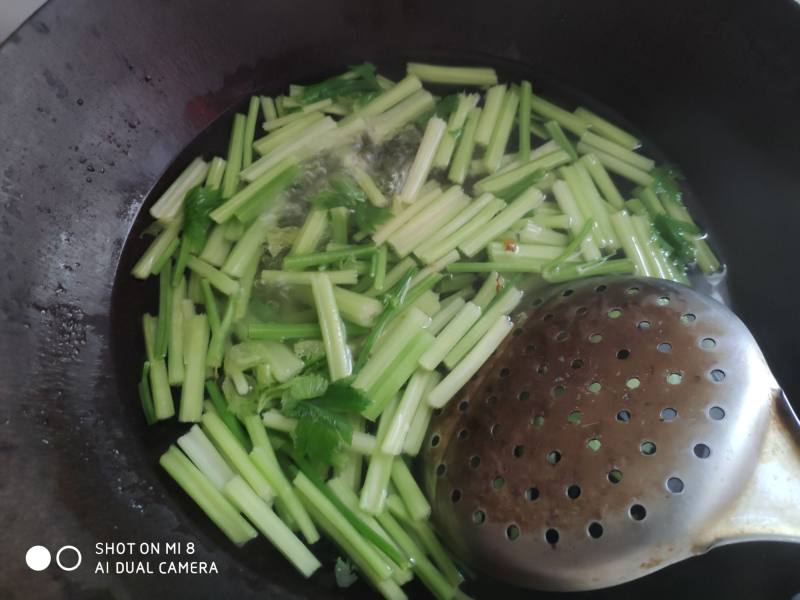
<point x="626" y="424"/>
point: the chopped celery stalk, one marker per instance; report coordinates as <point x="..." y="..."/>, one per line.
<point x="419" y="424"/>
<point x="292" y="117"/>
<point x="423" y="161"/>
<point x="379" y="279"/>
<point x="399" y="271"/>
<point x="651" y="202"/>
<point x="499" y="252"/>
<point x="275" y="139"/>
<point x="502" y="132"/>
<point x="447" y="310"/>
<point x="268" y="108"/>
<point x="455" y="126"/>
<point x="339" y="219"/>
<point x="340" y="363"/>
<point x="249" y="132"/>
<point x="395" y="435"/>
<point x="283" y="331"/>
<point x="644" y="234"/>
<point x="490" y="287"/>
<point x="195" y="348"/>
<point x="413" y="498"/>
<point x="491" y="111"/>
<point x="465" y="233"/>
<point x="216" y="170"/>
<point x="163" y="405"/>
<point x="595" y="205"/>
<point x="471" y="362"/>
<point x="242" y="298"/>
<point x="499" y="182"/>
<point x="455" y="330"/>
<point x="269" y="196"/>
<point x="502" y="305"/>
<point x="480" y="76"/>
<point x="532" y="233"/>
<point x="368" y="186"/>
<point x="161" y="342"/>
<point x="706" y="259"/>
<point x="248" y="246"/>
<point x="379" y="471"/>
<point x="510" y="265"/>
<point x="559" y="137"/>
<point x="224" y="413"/>
<point x="157" y="249"/>
<point x="230" y="181"/>
<point x="205" y="456"/>
<point x="252" y="192"/>
<point x="523" y="204"/>
<point x="175" y="364"/>
<point x="524" y="117"/>
<point x="464" y="148"/>
<point x="234" y="230"/>
<point x="630" y="243"/>
<point x="264" y="459"/>
<point x="271" y="526"/>
<point x="165" y="258"/>
<point x="215" y="277"/>
<point x="346" y="277"/>
<point x="207" y="497"/>
<point x="603" y="181"/>
<point x="282" y="361"/>
<point x="315" y="259"/>
<point x="357" y="308"/>
<point x="385" y="125"/>
<point x="273" y="419"/>
<point x="608" y="130"/>
<point x="170" y="205"/>
<point x="388" y="228"/>
<point x="615" y="165"/>
<point x="632" y="158"/>
<point x="236" y="455"/>
<point x="619" y="266"/>
<point x="427" y="302"/>
<point x="210" y="304"/>
<point x="404" y="88"/>
<point x="310" y="235"/>
<point x="418" y="229"/>
<point x="216" y="248"/>
<point x="559" y="221"/>
<point x="566" y="119"/>
<point x="567" y="203"/>
<point x="145" y="397"/>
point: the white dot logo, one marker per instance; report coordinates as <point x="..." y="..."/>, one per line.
<point x="70" y="553"/>
<point x="37" y="558"/>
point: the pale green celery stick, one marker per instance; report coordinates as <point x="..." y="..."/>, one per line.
<point x="346" y="277"/>
<point x="480" y="76"/>
<point x="608" y="130"/>
<point x="596" y="207"/>
<point x="413" y="498"/>
<point x="502" y="132"/>
<point x="379" y="280"/>
<point x="450" y="336"/>
<point x="216" y="248"/>
<point x="175" y="347"/>
<point x="447" y="310"/>
<point x="216" y="170"/>
<point x="302" y="145"/>
<point x="263" y="456"/>
<point x="408" y="325"/>
<point x="280" y="109"/>
<point x="632" y="158"/>
<point x="524" y="118"/>
<point x="617" y="266"/>
<point x="566" y="119"/>
<point x="165" y="257"/>
<point x="559" y="137"/>
<point x="246" y="288"/>
<point x="195" y="348"/>
<point x="566" y="202"/>
<point x="210" y="304"/>
<point x="644" y="234"/>
<point x="490" y="287"/>
<point x="163" y="404"/>
<point x="509" y="265"/>
<point x="187" y="310"/>
<point x="340" y="363"/>
<point x="215" y="277"/>
<point x="504" y="304"/>
<point x="569" y="174"/>
<point x="283" y="331"/>
<point x="603" y="181"/>
<point x="282" y="361"/>
<point x="615" y="165"/>
<point x="376" y="481"/>
<point x="532" y="233"/>
<point x="455" y="126"/>
<point x="251" y="244"/>
<point x="428" y="221"/>
<point x="230" y="181"/>
<point x="193" y="291"/>
<point x="368" y="186"/>
<point x="216" y="346"/>
<point x="352" y="471"/>
<point x="234" y="230"/>
<point x="271" y="526"/>
<point x="650" y="201"/>
<point x="157" y="249"/>
<point x="498" y="252"/>
<point x="310" y="235"/>
<point x="273" y="140"/>
<point x="210" y="500"/>
<point x="465" y="148"/>
<point x="273" y="419"/>
<point x="423" y="161"/>
<point x="427" y="302"/>
<point x="205" y="457"/>
<point x="252" y="190"/>
<point x="406" y="87"/>
<point x="492" y="104"/>
<point x="630" y="243"/>
<point x="357" y="308"/>
<point x="235" y="454"/>
<point x="268" y="108"/>
<point x="706" y="259"/>
<point x="538" y="130"/>
<point x="419" y="424"/>
<point x="169" y="206"/>
<point x="467" y="232"/>
<point x="500" y="181"/>
<point x="523" y="204"/>
<point x="315" y="108"/>
<point x="398" y="271"/>
<point x="385" y="125"/>
<point x="545" y="184"/>
<point x="339" y="225"/>
<point x="397" y="429"/>
<point x="333" y="254"/>
<point x="249" y="132"/>
<point x="402" y="217"/>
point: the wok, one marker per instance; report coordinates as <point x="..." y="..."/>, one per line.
<point x="98" y="101"/>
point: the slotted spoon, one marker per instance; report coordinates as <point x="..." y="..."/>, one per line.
<point x="626" y="424"/>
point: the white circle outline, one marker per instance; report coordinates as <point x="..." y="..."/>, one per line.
<point x="35" y="553"/>
<point x="58" y="558"/>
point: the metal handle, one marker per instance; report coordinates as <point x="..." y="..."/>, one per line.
<point x="769" y="507"/>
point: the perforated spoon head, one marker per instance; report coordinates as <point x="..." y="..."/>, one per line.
<point x="619" y="429"/>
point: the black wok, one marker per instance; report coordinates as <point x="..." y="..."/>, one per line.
<point x="99" y="99"/>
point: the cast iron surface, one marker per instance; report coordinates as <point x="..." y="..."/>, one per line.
<point x="98" y="98"/>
